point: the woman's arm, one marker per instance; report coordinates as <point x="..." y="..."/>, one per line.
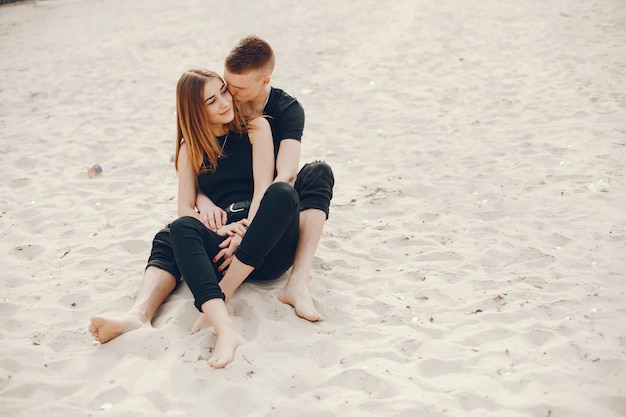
<point x="211" y="215"/>
<point x="260" y="135"/>
<point x="186" y="186"/>
<point x="203" y="202"/>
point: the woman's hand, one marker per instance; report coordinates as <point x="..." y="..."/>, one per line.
<point x="235" y="232"/>
<point x="213" y="218"/>
<point x="228" y="248"/>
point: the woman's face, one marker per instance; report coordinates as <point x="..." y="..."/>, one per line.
<point x="218" y="102"/>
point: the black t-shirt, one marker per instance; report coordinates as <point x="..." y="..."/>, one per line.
<point x="233" y="179"/>
<point x="286" y="117"/>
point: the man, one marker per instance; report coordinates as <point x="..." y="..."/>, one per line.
<point x="248" y="70"/>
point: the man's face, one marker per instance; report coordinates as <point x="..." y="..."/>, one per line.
<point x="244" y="87"/>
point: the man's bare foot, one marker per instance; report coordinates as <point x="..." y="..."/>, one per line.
<point x="103" y="329"/>
<point x="224" y="353"/>
<point x="299" y="297"/>
<point x="201" y="322"/>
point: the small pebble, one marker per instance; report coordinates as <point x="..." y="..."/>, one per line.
<point x="94" y="171"/>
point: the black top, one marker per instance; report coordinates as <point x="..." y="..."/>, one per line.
<point x="233" y="179"/>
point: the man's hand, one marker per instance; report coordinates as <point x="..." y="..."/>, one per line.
<point x="232" y="229"/>
<point x="213" y="217"/>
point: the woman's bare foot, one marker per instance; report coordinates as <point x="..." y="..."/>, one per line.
<point x="202" y="322"/>
<point x="227" y="337"/>
<point x="298" y="296"/>
<point x="103" y="329"/>
<point x="224" y="352"/>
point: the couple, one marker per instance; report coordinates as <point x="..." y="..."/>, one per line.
<point x="245" y="212"/>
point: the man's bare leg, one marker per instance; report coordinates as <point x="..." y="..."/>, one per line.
<point x="227" y="337"/>
<point x="296" y="290"/>
<point x="156" y="285"/>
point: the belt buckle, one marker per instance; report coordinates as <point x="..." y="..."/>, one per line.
<point x="232" y="209"/>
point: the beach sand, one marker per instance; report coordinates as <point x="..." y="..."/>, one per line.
<point x="474" y="261"/>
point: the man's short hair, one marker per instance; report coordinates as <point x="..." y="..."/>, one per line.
<point x="250" y="54"/>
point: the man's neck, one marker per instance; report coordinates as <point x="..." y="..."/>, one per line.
<point x="256" y="106"/>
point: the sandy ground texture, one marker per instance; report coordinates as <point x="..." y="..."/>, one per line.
<point x="474" y="261"/>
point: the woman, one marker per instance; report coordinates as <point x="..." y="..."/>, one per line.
<point x="233" y="164"/>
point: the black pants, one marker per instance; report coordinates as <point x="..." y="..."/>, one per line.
<point x="269" y="244"/>
<point x="314" y="186"/>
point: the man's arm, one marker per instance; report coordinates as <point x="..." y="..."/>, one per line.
<point x="288" y="161"/>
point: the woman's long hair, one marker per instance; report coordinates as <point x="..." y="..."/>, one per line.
<point x="192" y="121"/>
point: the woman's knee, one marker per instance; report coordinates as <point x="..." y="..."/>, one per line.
<point x="284" y="194"/>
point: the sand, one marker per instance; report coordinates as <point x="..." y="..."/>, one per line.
<point x="474" y="261"/>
